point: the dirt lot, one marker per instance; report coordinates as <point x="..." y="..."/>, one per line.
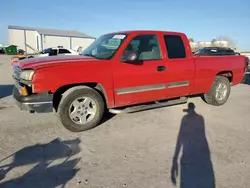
<point x="129" y="150"/>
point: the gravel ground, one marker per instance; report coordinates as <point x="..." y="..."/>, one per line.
<point x="128" y="150"/>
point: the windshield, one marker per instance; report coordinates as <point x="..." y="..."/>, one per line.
<point x="105" y="46"/>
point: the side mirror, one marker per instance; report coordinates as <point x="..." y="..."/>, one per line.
<point x="129" y="57"/>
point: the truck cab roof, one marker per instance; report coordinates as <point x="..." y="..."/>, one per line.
<point x="147" y="31"/>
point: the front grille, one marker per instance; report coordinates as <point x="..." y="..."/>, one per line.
<point x="16" y="72"/>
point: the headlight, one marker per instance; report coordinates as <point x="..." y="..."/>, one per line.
<point x="27" y="74"/>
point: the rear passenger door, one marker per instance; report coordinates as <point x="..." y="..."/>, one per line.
<point x="179" y="67"/>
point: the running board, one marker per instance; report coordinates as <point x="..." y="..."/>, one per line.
<point x="143" y="107"/>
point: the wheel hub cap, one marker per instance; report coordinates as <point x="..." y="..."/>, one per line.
<point x="82" y="110"/>
<point x="221" y="92"/>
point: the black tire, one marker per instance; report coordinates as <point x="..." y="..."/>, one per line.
<point x="210" y="97"/>
<point x="68" y="97"/>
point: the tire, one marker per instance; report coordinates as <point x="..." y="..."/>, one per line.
<point x="66" y="104"/>
<point x="244" y="79"/>
<point x="211" y="97"/>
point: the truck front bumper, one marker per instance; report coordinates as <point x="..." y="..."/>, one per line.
<point x="40" y="103"/>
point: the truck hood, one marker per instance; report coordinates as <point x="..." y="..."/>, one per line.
<point x="43" y="62"/>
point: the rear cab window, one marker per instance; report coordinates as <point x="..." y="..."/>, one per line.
<point x="175" y="47"/>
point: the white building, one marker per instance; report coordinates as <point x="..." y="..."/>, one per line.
<point x="246" y="53"/>
<point x="202" y="44"/>
<point x="36" y="39"/>
<point x="221" y="43"/>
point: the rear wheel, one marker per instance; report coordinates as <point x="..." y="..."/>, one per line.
<point x="81" y="108"/>
<point x="219" y="93"/>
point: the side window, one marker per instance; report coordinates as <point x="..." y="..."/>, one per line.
<point x="145" y="46"/>
<point x="64" y="51"/>
<point x="175" y="47"/>
<point x="53" y="52"/>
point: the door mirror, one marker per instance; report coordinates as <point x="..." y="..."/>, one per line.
<point x="129" y="57"/>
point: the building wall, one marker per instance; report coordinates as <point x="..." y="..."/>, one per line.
<point x="221" y="43"/>
<point x="54" y="41"/>
<point x="202" y="44"/>
<point x="16" y="37"/>
<point x="32" y="41"/>
<point x="23" y="37"/>
<point x="81" y="42"/>
<point x="246" y="54"/>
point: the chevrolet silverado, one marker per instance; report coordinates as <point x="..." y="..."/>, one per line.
<point x="123" y="72"/>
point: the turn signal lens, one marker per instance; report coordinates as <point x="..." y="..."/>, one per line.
<point x="24" y="91"/>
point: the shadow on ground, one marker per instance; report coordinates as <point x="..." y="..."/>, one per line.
<point x="106" y="117"/>
<point x="44" y="173"/>
<point x="196" y="169"/>
<point x="6" y="90"/>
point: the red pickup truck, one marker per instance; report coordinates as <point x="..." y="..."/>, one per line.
<point x="123" y="72"/>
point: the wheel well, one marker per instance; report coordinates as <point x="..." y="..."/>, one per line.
<point x="58" y="94"/>
<point x="227" y="74"/>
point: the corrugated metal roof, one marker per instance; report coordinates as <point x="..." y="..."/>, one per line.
<point x="53" y="32"/>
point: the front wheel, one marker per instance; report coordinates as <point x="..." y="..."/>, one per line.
<point x="81" y="108"/>
<point x="219" y="93"/>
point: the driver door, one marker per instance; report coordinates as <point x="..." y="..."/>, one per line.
<point x="142" y="80"/>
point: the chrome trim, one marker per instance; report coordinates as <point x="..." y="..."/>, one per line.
<point x="178" y="84"/>
<point x="142" y="107"/>
<point x="17" y="85"/>
<point x="16" y="72"/>
<point x="26" y="82"/>
<point x="137" y="89"/>
<point x="37" y="103"/>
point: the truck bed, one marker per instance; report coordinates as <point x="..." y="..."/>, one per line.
<point x="207" y="67"/>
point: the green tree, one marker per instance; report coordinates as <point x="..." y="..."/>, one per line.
<point x="213" y="42"/>
<point x="191" y="40"/>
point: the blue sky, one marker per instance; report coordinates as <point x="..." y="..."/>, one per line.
<point x="201" y="20"/>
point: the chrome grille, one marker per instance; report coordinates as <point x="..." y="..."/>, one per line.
<point x="16" y="72"/>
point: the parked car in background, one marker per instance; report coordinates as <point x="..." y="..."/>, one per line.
<point x="20" y="52"/>
<point x="123" y="72"/>
<point x="2" y="51"/>
<point x="55" y="51"/>
<point x="215" y="51"/>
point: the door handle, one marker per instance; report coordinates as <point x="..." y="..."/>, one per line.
<point x="161" y="68"/>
